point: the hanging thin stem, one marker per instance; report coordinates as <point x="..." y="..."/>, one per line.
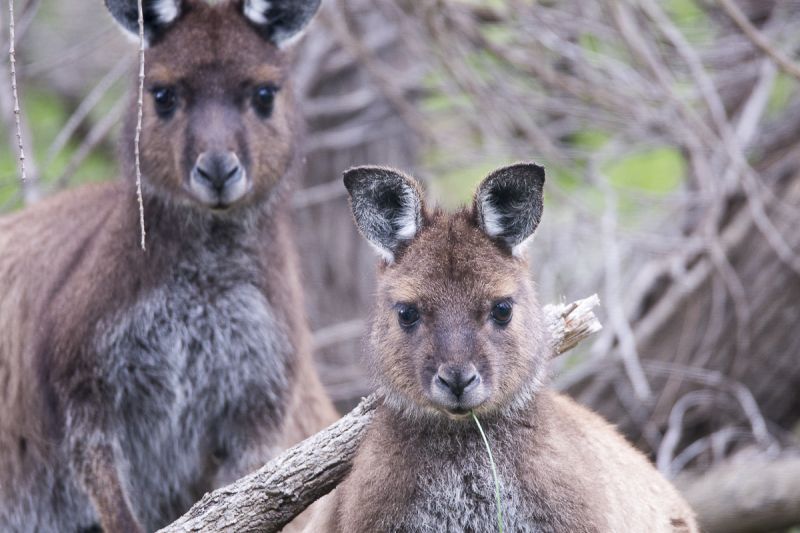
<point x="494" y="474"/>
<point x="12" y="56"/>
<point x="139" y="124"/>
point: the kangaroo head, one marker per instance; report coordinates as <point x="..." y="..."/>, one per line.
<point x="218" y="120"/>
<point x="457" y="325"/>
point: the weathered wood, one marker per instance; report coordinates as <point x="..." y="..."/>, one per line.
<point x="746" y="496"/>
<point x="271" y="497"/>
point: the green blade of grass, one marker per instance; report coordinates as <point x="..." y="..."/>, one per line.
<point x="494" y="474"/>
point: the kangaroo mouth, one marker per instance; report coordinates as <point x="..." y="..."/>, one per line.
<point x="458" y="412"/>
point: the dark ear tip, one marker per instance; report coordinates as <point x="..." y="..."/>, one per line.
<point x="354" y="175"/>
<point x="349" y="177"/>
<point x="527" y="169"/>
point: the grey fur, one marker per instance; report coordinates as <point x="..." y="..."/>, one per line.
<point x="194" y="366"/>
<point x="455" y="492"/>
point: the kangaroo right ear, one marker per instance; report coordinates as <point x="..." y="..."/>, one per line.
<point x="158" y="15"/>
<point x="280" y="21"/>
<point x="508" y="204"/>
<point x="387" y="207"/>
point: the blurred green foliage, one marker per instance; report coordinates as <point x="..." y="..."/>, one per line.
<point x="785" y="87"/>
<point x="691" y="19"/>
<point x="46" y="113"/>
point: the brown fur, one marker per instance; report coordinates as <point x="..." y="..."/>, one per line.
<point x="422" y="465"/>
<point x="72" y="263"/>
<point x="213" y="56"/>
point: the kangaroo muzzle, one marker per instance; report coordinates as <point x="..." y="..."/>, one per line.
<point x="218" y="179"/>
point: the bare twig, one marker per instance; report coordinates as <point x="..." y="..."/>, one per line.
<point x="12" y="57"/>
<point x="95" y="136"/>
<point x="613" y="285"/>
<point x="85" y="107"/>
<point x="338" y="20"/>
<point x="742" y="394"/>
<point x="139" y="106"/>
<point x="758" y="39"/>
<point x="672" y="437"/>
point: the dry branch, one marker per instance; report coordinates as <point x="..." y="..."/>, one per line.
<point x="271" y="497"/>
<point x="758" y="39"/>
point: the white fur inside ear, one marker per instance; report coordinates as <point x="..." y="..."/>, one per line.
<point x="385" y="254"/>
<point x="166" y="10"/>
<point x="491" y="217"/>
<point x="520" y="249"/>
<point x="406" y="222"/>
<point x="256" y="10"/>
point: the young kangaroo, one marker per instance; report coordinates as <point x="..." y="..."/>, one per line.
<point x="133" y="382"/>
<point x="458" y="329"/>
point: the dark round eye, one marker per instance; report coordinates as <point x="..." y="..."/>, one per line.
<point x="408" y="315"/>
<point x="166" y="101"/>
<point x="264" y="99"/>
<point x="502" y="311"/>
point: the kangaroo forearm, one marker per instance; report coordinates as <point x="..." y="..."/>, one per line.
<point x="98" y="470"/>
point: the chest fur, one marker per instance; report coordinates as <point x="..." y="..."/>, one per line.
<point x="461" y="497"/>
<point x="428" y="485"/>
<point x="444" y="483"/>
<point x="193" y="366"/>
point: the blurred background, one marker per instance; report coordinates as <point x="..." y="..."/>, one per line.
<point x="670" y="130"/>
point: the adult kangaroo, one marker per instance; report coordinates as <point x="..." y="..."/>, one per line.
<point x="132" y="382"/>
<point x="458" y="330"/>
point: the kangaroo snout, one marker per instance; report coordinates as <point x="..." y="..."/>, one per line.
<point x="458" y="379"/>
<point x="218" y="179"/>
<point x="458" y="387"/>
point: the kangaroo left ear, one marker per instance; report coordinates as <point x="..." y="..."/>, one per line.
<point x="158" y="15"/>
<point x="387" y="207"/>
<point x="279" y="21"/>
<point x="508" y="204"/>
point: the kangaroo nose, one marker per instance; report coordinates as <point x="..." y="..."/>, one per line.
<point x="218" y="168"/>
<point x="458" y="379"/>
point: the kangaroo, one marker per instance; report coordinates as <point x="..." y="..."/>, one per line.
<point x="458" y="329"/>
<point x="131" y="383"/>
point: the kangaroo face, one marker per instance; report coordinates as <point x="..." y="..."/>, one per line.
<point x="457" y="325"/>
<point x="218" y="121"/>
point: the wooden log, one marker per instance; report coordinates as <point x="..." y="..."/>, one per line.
<point x="268" y="499"/>
<point x="747" y="496"/>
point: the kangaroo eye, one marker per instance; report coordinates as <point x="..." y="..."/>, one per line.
<point x="264" y="99"/>
<point x="407" y="315"/>
<point x="166" y="100"/>
<point x="502" y="311"/>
